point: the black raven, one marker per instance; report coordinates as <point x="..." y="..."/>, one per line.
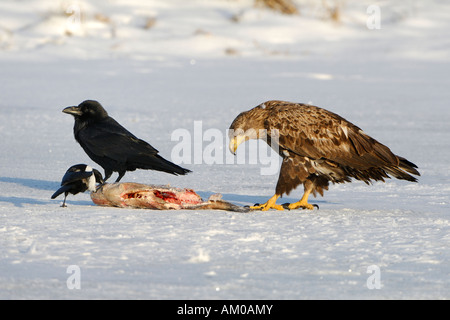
<point x="78" y="178"/>
<point x="112" y="146"/>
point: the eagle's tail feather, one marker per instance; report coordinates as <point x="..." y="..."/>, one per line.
<point x="401" y="171"/>
<point x="408" y="166"/>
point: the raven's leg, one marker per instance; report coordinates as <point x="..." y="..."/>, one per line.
<point x="108" y="174"/>
<point x="121" y="174"/>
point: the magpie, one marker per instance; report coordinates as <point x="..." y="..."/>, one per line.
<point x="78" y="178"/>
<point x="112" y="146"/>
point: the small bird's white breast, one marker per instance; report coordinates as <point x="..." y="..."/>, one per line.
<point x="91" y="182"/>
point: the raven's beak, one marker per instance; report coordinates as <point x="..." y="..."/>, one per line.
<point x="235" y="142"/>
<point x="75" y="111"/>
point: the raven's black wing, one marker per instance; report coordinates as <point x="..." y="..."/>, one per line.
<point x="108" y="138"/>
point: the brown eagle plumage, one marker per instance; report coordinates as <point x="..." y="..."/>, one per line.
<point x="317" y="146"/>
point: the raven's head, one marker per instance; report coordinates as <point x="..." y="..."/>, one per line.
<point x="87" y="110"/>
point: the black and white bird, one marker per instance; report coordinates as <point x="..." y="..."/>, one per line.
<point x="112" y="146"/>
<point x="78" y="178"/>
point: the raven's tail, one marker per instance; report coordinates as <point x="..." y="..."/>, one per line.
<point x="160" y="164"/>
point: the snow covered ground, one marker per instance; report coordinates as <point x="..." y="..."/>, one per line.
<point x="159" y="66"/>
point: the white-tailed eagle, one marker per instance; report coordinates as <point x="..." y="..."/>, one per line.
<point x="317" y="146"/>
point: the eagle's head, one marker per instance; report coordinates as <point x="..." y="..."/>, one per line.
<point x="247" y="125"/>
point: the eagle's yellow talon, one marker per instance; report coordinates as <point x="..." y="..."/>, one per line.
<point x="303" y="205"/>
<point x="265" y="207"/>
<point x="270" y="204"/>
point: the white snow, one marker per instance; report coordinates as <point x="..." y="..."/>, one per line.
<point x="158" y="66"/>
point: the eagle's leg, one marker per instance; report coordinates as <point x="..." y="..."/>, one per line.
<point x="303" y="203"/>
<point x="271" y="203"/>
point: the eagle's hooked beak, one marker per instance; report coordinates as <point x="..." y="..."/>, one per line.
<point x="235" y="142"/>
<point x="75" y="111"/>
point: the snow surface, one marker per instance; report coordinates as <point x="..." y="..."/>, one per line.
<point x="158" y="66"/>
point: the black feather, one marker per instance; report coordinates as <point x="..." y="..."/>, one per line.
<point x="76" y="180"/>
<point x="112" y="146"/>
